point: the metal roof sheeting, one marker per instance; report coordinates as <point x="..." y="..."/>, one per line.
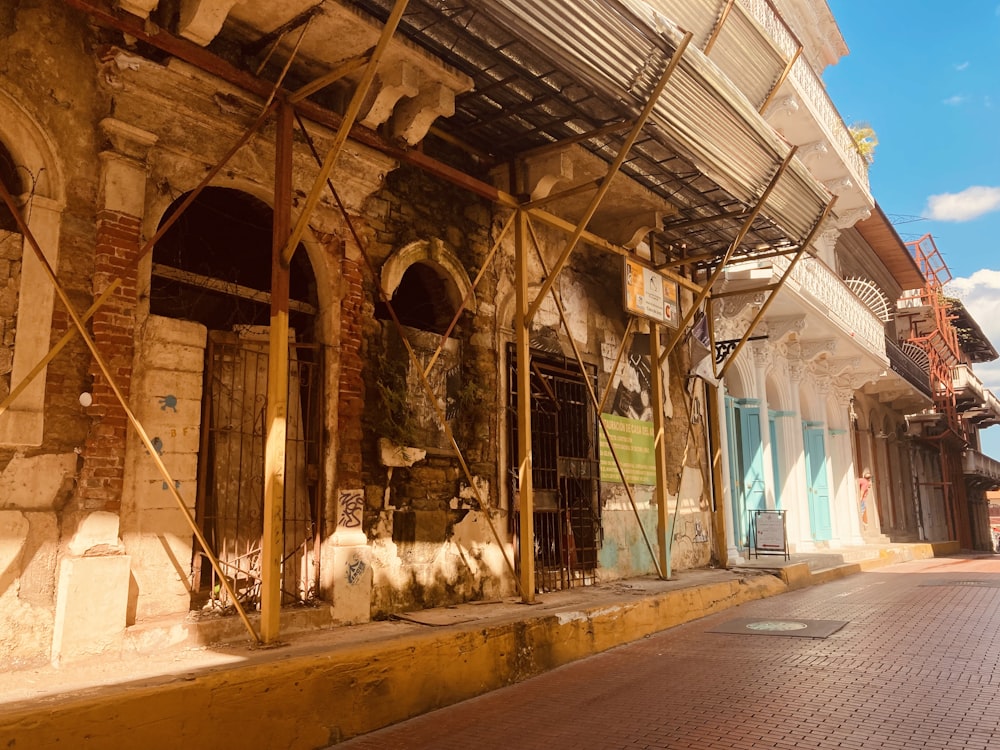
<point x="620" y="48"/>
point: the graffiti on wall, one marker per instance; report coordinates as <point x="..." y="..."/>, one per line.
<point x="352" y="506"/>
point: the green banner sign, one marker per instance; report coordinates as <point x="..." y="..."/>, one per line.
<point x="633" y="441"/>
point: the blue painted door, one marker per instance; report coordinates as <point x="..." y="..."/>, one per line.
<point x="746" y="464"/>
<point x="816" y="485"/>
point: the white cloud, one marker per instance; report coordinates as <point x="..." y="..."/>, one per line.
<point x="962" y="66"/>
<point x="980" y="293"/>
<point x="954" y="101"/>
<point x="970" y="203"/>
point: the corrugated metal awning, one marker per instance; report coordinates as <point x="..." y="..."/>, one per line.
<point x="545" y="72"/>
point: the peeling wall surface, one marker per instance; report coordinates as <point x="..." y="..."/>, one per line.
<point x="402" y="304"/>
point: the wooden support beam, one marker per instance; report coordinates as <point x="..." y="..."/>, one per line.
<point x="659" y="449"/>
<point x="273" y="545"/>
<point x="616" y="165"/>
<point x="717" y="29"/>
<point x="140" y="431"/>
<point x="353" y="110"/>
<point x="747" y="223"/>
<point x="344" y="68"/>
<point x="777" y="287"/>
<point x="526" y="507"/>
<point x="781" y="79"/>
<point x="593" y="399"/>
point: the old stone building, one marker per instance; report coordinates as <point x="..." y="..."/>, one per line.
<point x="319" y="312"/>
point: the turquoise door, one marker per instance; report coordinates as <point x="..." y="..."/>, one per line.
<point x="816" y="485"/>
<point x="746" y="463"/>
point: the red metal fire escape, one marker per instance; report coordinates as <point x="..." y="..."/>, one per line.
<point x="930" y="327"/>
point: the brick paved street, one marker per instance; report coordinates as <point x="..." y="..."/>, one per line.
<point x="916" y="666"/>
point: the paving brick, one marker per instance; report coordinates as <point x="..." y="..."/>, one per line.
<point x="916" y="667"/>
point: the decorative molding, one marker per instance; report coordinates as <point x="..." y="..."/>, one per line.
<point x="414" y="117"/>
<point x="849" y="218"/>
<point x="778" y="328"/>
<point x="392" y="83"/>
<point x="783" y="106"/>
<point x="812" y="152"/>
<point x="837" y="365"/>
<point x="733" y="306"/>
<point x="810" y="350"/>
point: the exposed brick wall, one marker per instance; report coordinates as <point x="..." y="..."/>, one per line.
<point x="352" y="386"/>
<point x="113" y="326"/>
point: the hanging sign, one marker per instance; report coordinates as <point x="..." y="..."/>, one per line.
<point x="651" y="295"/>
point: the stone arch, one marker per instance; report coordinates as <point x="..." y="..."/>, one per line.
<point x="34" y="169"/>
<point x="31" y="151"/>
<point x="740" y="378"/>
<point x="433" y="260"/>
<point x="321" y="262"/>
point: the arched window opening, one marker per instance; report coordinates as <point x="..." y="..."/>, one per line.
<point x="214" y="266"/>
<point x="423" y="300"/>
<point x="12" y="180"/>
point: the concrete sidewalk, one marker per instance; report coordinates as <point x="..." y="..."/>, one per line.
<point x="325" y="686"/>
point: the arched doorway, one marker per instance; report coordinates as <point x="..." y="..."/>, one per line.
<point x="213" y="269"/>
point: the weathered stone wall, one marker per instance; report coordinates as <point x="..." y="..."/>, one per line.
<point x="10" y="284"/>
<point x="50" y="106"/>
<point x="431" y="543"/>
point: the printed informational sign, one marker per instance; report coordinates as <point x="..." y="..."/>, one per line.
<point x="633" y="441"/>
<point x="769" y="532"/>
<point x="651" y="295"/>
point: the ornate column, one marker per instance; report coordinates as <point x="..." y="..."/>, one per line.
<point x="762" y="360"/>
<point x="798" y="512"/>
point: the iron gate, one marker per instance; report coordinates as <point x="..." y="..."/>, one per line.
<point x="565" y="474"/>
<point x="230" y="501"/>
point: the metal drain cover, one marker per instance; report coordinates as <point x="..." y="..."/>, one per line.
<point x="759" y="626"/>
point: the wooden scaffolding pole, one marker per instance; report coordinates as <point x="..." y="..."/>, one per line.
<point x="522" y="322"/>
<point x="273" y="544"/>
<point x="659" y="449"/>
<point x="350" y="117"/>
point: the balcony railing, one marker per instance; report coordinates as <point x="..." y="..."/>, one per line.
<point x="908" y="369"/>
<point x="813" y="92"/>
<point x="812" y="276"/>
<point x="967" y="385"/>
<point x="981" y="467"/>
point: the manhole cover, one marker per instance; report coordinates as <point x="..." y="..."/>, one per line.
<point x="777" y="625"/>
<point x="802" y="628"/>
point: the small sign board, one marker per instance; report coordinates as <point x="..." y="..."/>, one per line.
<point x="769" y="534"/>
<point x="650" y="294"/>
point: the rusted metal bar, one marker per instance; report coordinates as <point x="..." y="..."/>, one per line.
<point x="273" y="540"/>
<point x="344" y="68"/>
<point x="522" y="342"/>
<point x="65" y="339"/>
<point x="781" y="282"/>
<point x="599" y="407"/>
<point x="691" y="223"/>
<point x="616" y="165"/>
<point x="353" y="110"/>
<point x="483" y="504"/>
<point x="133" y="420"/>
<point x="717" y="29"/>
<point x="781" y="79"/>
<point x="747" y="224"/>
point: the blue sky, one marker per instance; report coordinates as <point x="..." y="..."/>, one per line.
<point x="926" y="77"/>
